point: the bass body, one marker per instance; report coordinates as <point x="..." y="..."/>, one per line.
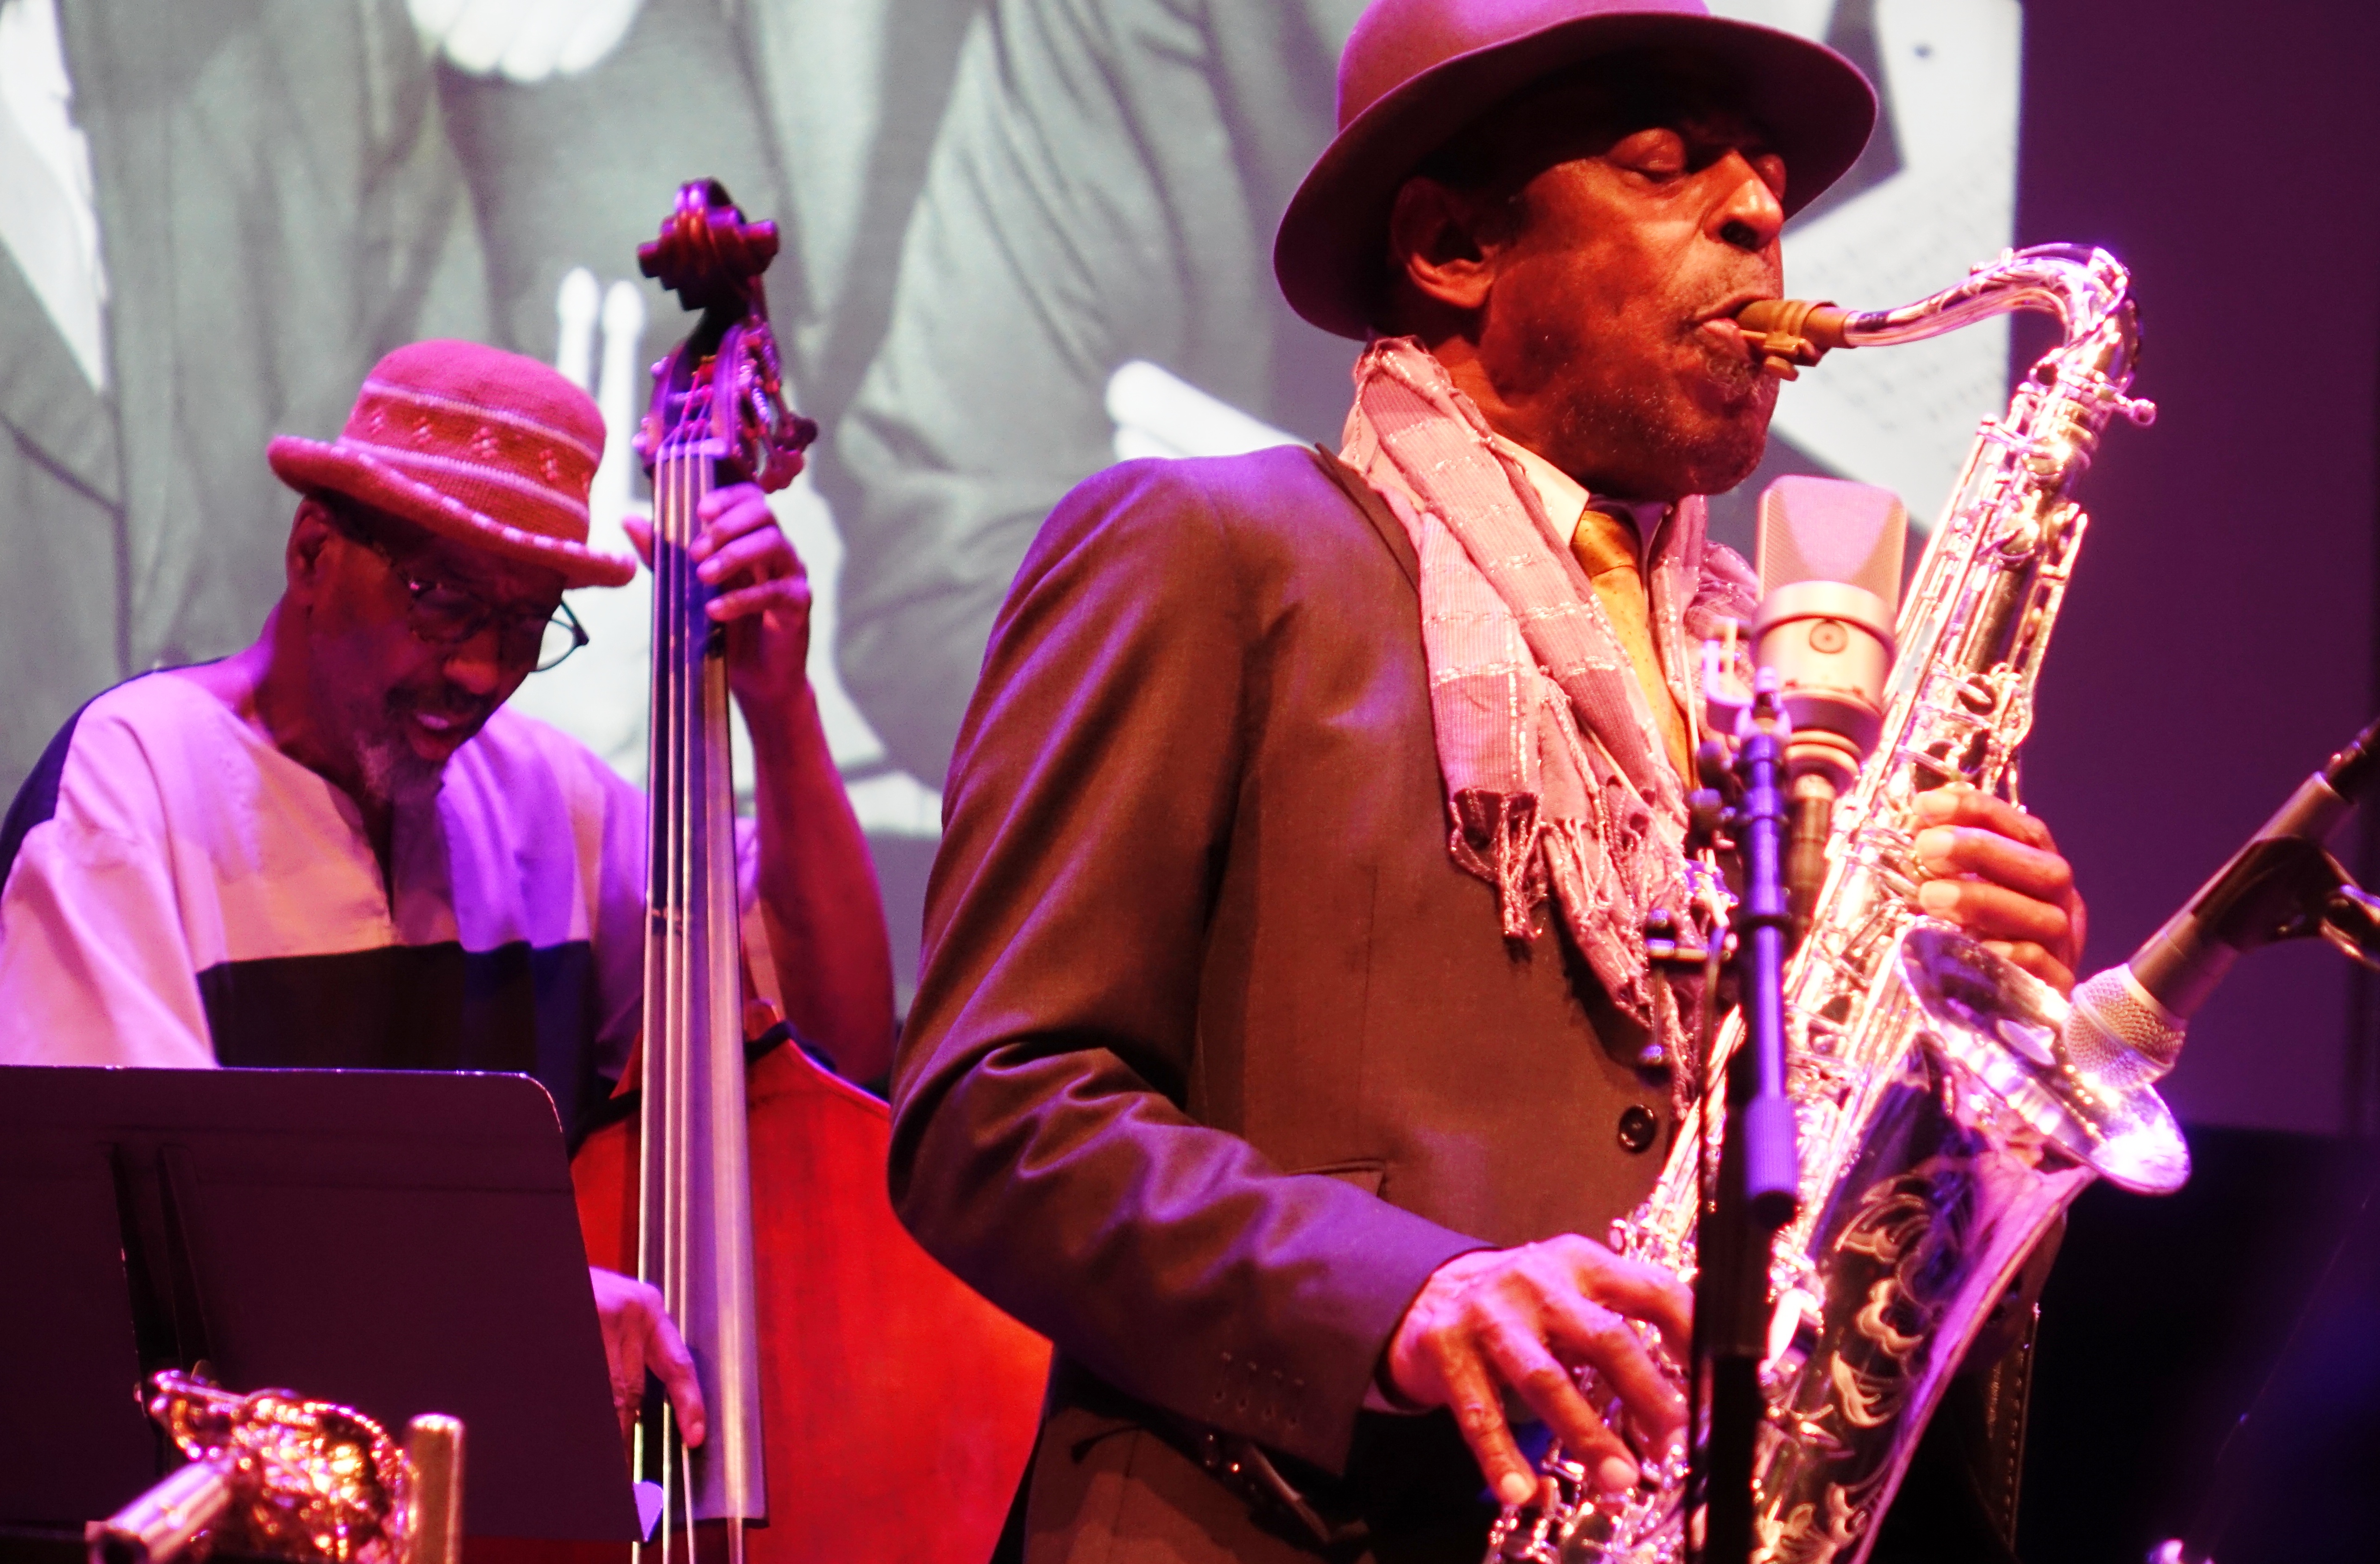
<point x="897" y="1406"/>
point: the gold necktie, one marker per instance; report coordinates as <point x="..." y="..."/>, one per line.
<point x="1606" y="547"/>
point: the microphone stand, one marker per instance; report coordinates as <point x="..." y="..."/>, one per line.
<point x="1759" y="1174"/>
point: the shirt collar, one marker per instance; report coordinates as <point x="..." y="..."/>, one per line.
<point x="1565" y="497"/>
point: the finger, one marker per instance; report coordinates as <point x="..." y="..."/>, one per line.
<point x="727" y="497"/>
<point x="674" y="1366"/>
<point x="1960" y="805"/>
<point x="764" y="554"/>
<point x="1956" y="850"/>
<point x="640" y="537"/>
<point x="729" y="514"/>
<point x="1479" y="1414"/>
<point x="1589" y="1334"/>
<point x="1524" y="1362"/>
<point x="1995" y="912"/>
<point x="1635" y="1288"/>
<point x="2035" y="959"/>
<point x="625" y="1336"/>
<point x="731" y="528"/>
<point x="788" y="596"/>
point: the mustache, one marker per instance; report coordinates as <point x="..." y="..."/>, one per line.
<point x="463" y="709"/>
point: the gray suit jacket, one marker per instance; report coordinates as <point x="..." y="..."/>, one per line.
<point x="1216" y="1054"/>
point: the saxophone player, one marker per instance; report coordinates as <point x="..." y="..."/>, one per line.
<point x="1284" y="1025"/>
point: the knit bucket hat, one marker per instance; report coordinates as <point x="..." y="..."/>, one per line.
<point x="1416" y="72"/>
<point x="478" y="446"/>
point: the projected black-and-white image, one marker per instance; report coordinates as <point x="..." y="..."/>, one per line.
<point x="1023" y="238"/>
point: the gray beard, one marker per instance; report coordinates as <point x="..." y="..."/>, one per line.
<point x="1636" y="422"/>
<point x="394" y="775"/>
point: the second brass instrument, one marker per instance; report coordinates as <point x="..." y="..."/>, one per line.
<point x="274" y="1476"/>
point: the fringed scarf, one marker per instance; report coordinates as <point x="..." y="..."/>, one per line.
<point x="1556" y="783"/>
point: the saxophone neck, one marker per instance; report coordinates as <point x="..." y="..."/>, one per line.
<point x="2087" y="290"/>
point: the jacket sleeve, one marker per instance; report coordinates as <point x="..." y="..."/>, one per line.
<point x="1041" y="1146"/>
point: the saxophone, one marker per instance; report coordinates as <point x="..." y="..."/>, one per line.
<point x="1942" y="1124"/>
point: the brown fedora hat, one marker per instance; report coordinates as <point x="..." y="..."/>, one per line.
<point x="1417" y="71"/>
<point x="475" y="444"/>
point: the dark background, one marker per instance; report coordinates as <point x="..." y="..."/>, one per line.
<point x="2160" y="1324"/>
<point x="2218" y="642"/>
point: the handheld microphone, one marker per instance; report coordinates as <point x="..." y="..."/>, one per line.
<point x="2127" y="1025"/>
<point x="1830" y="563"/>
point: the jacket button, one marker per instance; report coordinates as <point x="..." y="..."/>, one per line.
<point x="1637" y="1127"/>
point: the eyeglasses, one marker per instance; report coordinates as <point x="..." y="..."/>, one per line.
<point x="448" y="616"/>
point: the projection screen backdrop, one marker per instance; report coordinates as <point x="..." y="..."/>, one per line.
<point x="1024" y="239"/>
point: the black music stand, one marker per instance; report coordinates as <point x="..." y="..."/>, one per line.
<point x="398" y="1242"/>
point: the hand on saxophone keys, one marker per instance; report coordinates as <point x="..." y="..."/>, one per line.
<point x="1526" y="1320"/>
<point x="1996" y="872"/>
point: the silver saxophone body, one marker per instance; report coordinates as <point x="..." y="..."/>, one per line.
<point x="1942" y="1127"/>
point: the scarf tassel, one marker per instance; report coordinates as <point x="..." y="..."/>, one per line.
<point x="1507" y="827"/>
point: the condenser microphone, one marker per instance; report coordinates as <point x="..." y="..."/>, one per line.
<point x="2127" y="1025"/>
<point x="1829" y="562"/>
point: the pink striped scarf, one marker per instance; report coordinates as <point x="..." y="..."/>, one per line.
<point x="1556" y="783"/>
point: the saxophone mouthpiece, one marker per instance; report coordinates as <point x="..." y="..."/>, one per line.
<point x="1791" y="334"/>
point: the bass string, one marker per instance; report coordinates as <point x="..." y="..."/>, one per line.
<point x="684" y="735"/>
<point x="681" y="754"/>
<point x="696" y="920"/>
<point x="684" y="731"/>
<point x="691" y="937"/>
<point x="653" y="1266"/>
<point x="666" y="752"/>
<point x="713" y="1047"/>
<point x="667" y="1043"/>
<point x="702" y="935"/>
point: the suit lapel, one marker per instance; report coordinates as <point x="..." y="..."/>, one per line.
<point x="1376" y="511"/>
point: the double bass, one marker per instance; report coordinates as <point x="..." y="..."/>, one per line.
<point x="862" y="1403"/>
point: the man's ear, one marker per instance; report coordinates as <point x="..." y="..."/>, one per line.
<point x="1444" y="245"/>
<point x="301" y="559"/>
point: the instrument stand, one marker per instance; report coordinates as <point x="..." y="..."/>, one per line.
<point x="398" y="1242"/>
<point x="1759" y="1179"/>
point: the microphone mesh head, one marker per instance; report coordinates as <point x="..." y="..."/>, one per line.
<point x="1829" y="529"/>
<point x="2116" y="1035"/>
